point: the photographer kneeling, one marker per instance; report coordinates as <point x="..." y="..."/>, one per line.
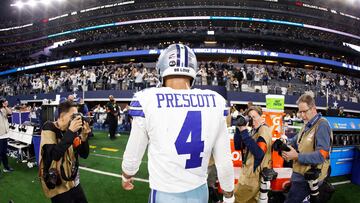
<point x="61" y="144"/>
<point x="256" y="153"/>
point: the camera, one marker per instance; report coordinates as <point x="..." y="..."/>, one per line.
<point x="242" y="120"/>
<point x="88" y="119"/>
<point x="279" y="146"/>
<point x="52" y="178"/>
<point x="312" y="174"/>
<point x="268" y="174"/>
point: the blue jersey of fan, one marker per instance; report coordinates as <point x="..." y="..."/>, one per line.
<point x="181" y="129"/>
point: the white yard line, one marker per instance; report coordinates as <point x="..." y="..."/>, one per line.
<point x="341" y="182"/>
<point x="145" y="180"/>
<point x="110" y="174"/>
<point x="110" y="157"/>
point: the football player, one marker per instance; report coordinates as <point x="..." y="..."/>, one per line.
<point x="181" y="127"/>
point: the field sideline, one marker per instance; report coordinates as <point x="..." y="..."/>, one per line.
<point x="100" y="178"/>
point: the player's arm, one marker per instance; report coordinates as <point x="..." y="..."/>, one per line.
<point x="223" y="162"/>
<point x="135" y="147"/>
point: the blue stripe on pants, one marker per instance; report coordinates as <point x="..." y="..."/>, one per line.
<point x="154" y="196"/>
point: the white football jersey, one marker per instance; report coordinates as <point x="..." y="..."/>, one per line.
<point x="182" y="128"/>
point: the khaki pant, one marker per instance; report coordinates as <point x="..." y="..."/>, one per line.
<point x="246" y="193"/>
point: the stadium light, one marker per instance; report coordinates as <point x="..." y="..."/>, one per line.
<point x="353" y="1"/>
<point x="18" y="4"/>
<point x="32" y="3"/>
<point x="46" y="2"/>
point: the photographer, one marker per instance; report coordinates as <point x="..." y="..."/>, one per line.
<point x="256" y="154"/>
<point x="113" y="112"/>
<point x="62" y="142"/>
<point x="4" y="129"/>
<point x="310" y="149"/>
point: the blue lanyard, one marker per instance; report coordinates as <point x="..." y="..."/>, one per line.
<point x="310" y="124"/>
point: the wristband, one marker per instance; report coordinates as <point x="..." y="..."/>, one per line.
<point x="229" y="200"/>
<point x="125" y="179"/>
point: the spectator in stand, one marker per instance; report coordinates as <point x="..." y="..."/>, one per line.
<point x="211" y="73"/>
<point x="341" y="112"/>
<point x="239" y="77"/>
<point x="265" y="78"/>
<point x="71" y="98"/>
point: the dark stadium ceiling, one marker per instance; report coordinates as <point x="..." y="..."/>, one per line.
<point x="59" y="6"/>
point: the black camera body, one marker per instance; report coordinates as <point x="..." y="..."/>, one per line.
<point x="312" y="174"/>
<point x="280" y="146"/>
<point x="268" y="174"/>
<point x="88" y="119"/>
<point x="242" y="120"/>
<point x="52" y="178"/>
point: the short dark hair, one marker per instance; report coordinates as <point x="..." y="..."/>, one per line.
<point x="2" y="100"/>
<point x="65" y="106"/>
<point x="306" y="98"/>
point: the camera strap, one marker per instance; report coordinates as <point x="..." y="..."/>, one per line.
<point x="74" y="168"/>
<point x="245" y="156"/>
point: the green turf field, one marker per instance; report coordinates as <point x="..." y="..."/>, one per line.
<point x="22" y="185"/>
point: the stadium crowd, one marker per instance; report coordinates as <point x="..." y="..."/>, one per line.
<point x="21" y="50"/>
<point x="236" y="77"/>
<point x="22" y="58"/>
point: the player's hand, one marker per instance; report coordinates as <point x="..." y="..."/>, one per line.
<point x="229" y="200"/>
<point x="127" y="183"/>
<point x="75" y="124"/>
<point x="228" y="197"/>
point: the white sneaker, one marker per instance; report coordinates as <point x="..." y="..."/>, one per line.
<point x="118" y="135"/>
<point x="8" y="170"/>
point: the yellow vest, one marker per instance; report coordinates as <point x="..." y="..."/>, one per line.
<point x="247" y="174"/>
<point x="49" y="137"/>
<point x="307" y="145"/>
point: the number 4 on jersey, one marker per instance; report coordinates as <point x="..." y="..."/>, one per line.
<point x="191" y="128"/>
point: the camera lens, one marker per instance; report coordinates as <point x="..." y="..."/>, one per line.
<point x="242" y="120"/>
